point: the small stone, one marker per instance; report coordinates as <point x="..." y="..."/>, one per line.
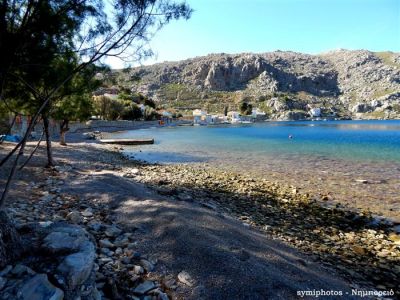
<point x="47" y="198"/>
<point x="134" y="171"/>
<point x="106" y="251"/>
<point x="57" y="218"/>
<point x="134" y="278"/>
<point x="20" y="270"/>
<point x="6" y="270"/>
<point x="364" y="181"/>
<point x="148" y="266"/>
<point x="162" y="296"/>
<point x="100" y="285"/>
<point x="381" y="287"/>
<point x="100" y="276"/>
<point x="88" y="212"/>
<point x="3" y="282"/>
<point x="121" y="242"/>
<point x="75" y="217"/>
<point x="185" y="278"/>
<point x="138" y="270"/>
<point x="45" y="224"/>
<point x="113" y="231"/>
<point x="358" y="250"/>
<point x="145" y="287"/>
<point x="106" y="243"/>
<point x="170" y="283"/>
<point x="131" y="246"/>
<point x="39" y="288"/>
<point x="126" y="260"/>
<point x="395" y="238"/>
<point x="383" y="253"/>
<point x="396" y="229"/>
<point x="105" y="260"/>
<point x="95" y="226"/>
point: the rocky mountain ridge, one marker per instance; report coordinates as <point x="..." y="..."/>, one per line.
<point x="359" y="83"/>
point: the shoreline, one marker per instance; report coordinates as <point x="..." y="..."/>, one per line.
<point x="325" y="200"/>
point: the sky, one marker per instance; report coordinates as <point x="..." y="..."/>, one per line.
<point x="308" y="26"/>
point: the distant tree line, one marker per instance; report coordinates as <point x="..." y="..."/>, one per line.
<point x="125" y="107"/>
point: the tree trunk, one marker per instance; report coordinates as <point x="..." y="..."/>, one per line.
<point x="10" y="242"/>
<point x="50" y="161"/>
<point x="63" y="131"/>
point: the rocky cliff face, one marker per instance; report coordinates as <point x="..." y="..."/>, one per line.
<point x="357" y="83"/>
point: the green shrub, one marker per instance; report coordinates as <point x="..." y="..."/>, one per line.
<point x="132" y="112"/>
<point x="245" y="108"/>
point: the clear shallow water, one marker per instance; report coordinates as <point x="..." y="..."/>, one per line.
<point x="323" y="157"/>
<point x="349" y="140"/>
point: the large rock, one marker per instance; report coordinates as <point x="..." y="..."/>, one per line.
<point x="61" y="242"/>
<point x="76" y="269"/>
<point x="75" y="254"/>
<point x="294" y="115"/>
<point x="361" y="108"/>
<point x="39" y="288"/>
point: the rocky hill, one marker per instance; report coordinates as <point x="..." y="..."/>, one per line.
<point x="343" y="83"/>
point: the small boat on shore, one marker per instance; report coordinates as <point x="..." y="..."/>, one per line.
<point x="128" y="141"/>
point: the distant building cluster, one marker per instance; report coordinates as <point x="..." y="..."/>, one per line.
<point x="201" y="117"/>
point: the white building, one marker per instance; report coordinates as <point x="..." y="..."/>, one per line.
<point x="218" y="119"/>
<point x="142" y="107"/>
<point x="199" y="117"/>
<point x="166" y="114"/>
<point x="209" y="119"/>
<point x="257" y="113"/>
<point x="315" y="112"/>
<point x="234" y="117"/>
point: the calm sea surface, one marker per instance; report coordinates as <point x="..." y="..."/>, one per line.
<point x="322" y="157"/>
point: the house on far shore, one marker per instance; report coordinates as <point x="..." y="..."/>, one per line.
<point x="218" y="119"/>
<point x="200" y="117"/>
<point x="166" y="117"/>
<point x="111" y="96"/>
<point x="256" y="113"/>
<point x="142" y="107"/>
<point x="315" y="112"/>
<point x="166" y="114"/>
<point x="234" y="117"/>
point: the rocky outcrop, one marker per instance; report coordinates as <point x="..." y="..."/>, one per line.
<point x="277" y="71"/>
<point x="61" y="265"/>
<point x="341" y="78"/>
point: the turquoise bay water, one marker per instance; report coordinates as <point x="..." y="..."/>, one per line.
<point x="346" y="140"/>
